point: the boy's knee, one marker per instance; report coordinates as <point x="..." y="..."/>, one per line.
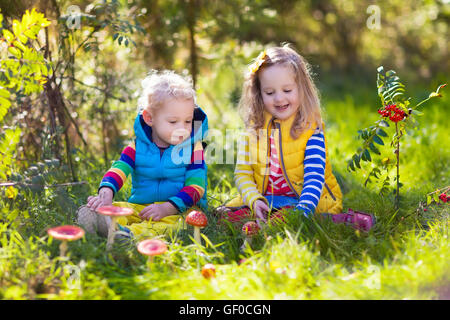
<point x="92" y="222"/>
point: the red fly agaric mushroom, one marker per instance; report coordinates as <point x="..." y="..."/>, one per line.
<point x="198" y="220"/>
<point x="151" y="248"/>
<point x="208" y="271"/>
<point x="65" y="233"/>
<point x="113" y="212"/>
<point x="249" y="229"/>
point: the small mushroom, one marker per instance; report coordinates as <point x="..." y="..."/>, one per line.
<point x="198" y="220"/>
<point x="208" y="271"/>
<point x="65" y="233"/>
<point x="249" y="229"/>
<point x="151" y="248"/>
<point x="113" y="212"/>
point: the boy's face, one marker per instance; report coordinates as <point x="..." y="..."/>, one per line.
<point x="172" y="122"/>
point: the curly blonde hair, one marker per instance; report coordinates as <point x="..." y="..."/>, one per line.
<point x="159" y="86"/>
<point x="251" y="103"/>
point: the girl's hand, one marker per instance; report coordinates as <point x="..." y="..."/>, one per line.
<point x="158" y="211"/>
<point x="260" y="208"/>
<point x="104" y="198"/>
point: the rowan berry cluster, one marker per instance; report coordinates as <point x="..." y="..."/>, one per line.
<point x="394" y="113"/>
<point x="444" y="198"/>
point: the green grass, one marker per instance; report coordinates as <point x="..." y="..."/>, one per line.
<point x="406" y="256"/>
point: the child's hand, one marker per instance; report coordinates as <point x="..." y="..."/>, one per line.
<point x="158" y="211"/>
<point x="260" y="208"/>
<point x="104" y="198"/>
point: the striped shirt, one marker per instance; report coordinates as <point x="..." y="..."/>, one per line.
<point x="277" y="184"/>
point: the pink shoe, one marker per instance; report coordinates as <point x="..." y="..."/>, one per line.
<point x="356" y="219"/>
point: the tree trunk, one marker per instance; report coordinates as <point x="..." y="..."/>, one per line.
<point x="191" y="20"/>
<point x="56" y="103"/>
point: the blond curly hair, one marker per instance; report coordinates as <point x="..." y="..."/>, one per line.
<point x="159" y="86"/>
<point x="251" y="104"/>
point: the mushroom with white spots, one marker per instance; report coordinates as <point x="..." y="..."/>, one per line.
<point x="249" y="229"/>
<point x="198" y="220"/>
<point x="65" y="233"/>
<point x="113" y="212"/>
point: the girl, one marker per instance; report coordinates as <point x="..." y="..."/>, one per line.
<point x="283" y="161"/>
<point x="165" y="161"/>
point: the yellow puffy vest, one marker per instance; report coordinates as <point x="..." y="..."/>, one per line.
<point x="252" y="168"/>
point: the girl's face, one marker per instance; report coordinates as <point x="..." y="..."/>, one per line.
<point x="172" y="122"/>
<point x="279" y="91"/>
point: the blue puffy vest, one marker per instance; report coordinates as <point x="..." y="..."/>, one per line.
<point x="157" y="178"/>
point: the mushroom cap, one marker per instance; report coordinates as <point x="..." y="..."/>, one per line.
<point x="197" y="219"/>
<point x="151" y="247"/>
<point x="67" y="232"/>
<point x="250" y="228"/>
<point x="208" y="271"/>
<point x="114" y="211"/>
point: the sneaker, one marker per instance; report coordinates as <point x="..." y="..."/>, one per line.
<point x="356" y="219"/>
<point x="123" y="232"/>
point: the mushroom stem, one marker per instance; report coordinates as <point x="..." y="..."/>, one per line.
<point x="63" y="248"/>
<point x="197" y="235"/>
<point x="150" y="260"/>
<point x="111" y="230"/>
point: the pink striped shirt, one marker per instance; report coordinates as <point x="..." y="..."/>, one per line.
<point x="277" y="184"/>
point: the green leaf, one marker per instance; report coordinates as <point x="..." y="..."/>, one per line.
<point x="8" y="35"/>
<point x="350" y="165"/>
<point x="383" y="123"/>
<point x="19" y="45"/>
<point x="381" y="132"/>
<point x="356" y="160"/>
<point x="436" y="197"/>
<point x="365" y="134"/>
<point x="17" y="28"/>
<point x="30" y="34"/>
<point x="4" y="93"/>
<point x="373" y="148"/>
<point x="15" y="52"/>
<point x="4" y="106"/>
<point x="367" y="155"/>
<point x="22" y="38"/>
<point x="378" y="140"/>
<point x="362" y="156"/>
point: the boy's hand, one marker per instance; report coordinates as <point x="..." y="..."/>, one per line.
<point x="158" y="211"/>
<point x="260" y="208"/>
<point x="104" y="198"/>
